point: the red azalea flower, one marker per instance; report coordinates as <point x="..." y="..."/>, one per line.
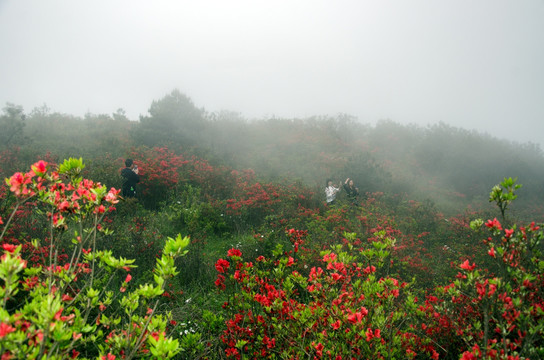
<point x="64" y="206"/>
<point x="220" y="282"/>
<point x="290" y="262"/>
<point x="234" y="252"/>
<point x="319" y="348"/>
<point x="5" y="329"/>
<point x="356" y="317"/>
<point x="222" y="265"/>
<point x="468" y="356"/>
<point x="466" y="266"/>
<point x="491" y="252"/>
<point x="494" y="224"/>
<point x="9" y="247"/>
<point x="369" y="334"/>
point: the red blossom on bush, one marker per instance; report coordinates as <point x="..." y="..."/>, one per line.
<point x="495" y="224"/>
<point x="9" y="247"/>
<point x="222" y="265"/>
<point x="466" y="266"/>
<point x="5" y="329"/>
<point x="491" y="252"/>
<point x="220" y="282"/>
<point x="19" y="182"/>
<point x="234" y="252"/>
<point x="39" y="168"/>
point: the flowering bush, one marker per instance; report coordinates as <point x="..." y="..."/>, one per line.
<point x="344" y="307"/>
<point x="347" y="303"/>
<point x="78" y="306"/>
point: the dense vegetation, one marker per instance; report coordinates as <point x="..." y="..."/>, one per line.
<point x="229" y="251"/>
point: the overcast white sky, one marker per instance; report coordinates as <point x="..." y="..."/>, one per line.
<point x="472" y="64"/>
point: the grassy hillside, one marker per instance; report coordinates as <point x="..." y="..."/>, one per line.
<point x="419" y="267"/>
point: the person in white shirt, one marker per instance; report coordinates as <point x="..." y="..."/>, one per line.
<point x="330" y="192"/>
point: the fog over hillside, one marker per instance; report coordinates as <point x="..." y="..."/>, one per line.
<point x="473" y="65"/>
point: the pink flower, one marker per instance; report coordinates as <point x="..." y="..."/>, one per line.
<point x="18" y="182"/>
<point x="129" y="277"/>
<point x="112" y="195"/>
<point x="508" y="233"/>
<point x="39" y="168"/>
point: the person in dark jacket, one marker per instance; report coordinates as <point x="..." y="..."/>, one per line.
<point x="351" y="191"/>
<point x="130" y="179"/>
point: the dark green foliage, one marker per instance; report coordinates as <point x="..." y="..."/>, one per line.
<point x="173" y="121"/>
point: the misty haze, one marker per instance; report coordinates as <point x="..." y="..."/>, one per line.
<point x="241" y="180"/>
